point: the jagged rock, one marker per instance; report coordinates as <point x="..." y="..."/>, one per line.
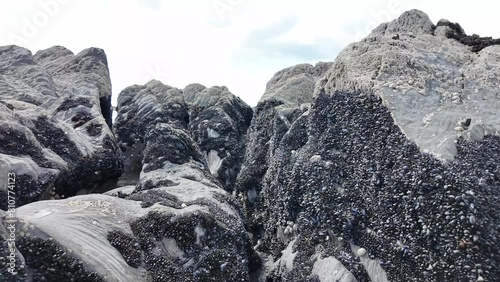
<point x="411" y="22"/>
<point x="55" y="118"/>
<point x="455" y="31"/>
<point x="348" y="178"/>
<point x="429" y="83"/>
<point x="374" y="189"/>
<point x="216" y="119"/>
<point x="175" y="223"/>
<point x="381" y="166"/>
<point x="200" y="235"/>
<point x="287" y="96"/>
<point x="294" y="86"/>
<point x="139" y="109"/>
<point x="218" y="123"/>
<point x="187" y="232"/>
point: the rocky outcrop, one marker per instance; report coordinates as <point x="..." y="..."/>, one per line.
<point x="201" y="228"/>
<point x="215" y="119"/>
<point x="287" y="95"/>
<point x="186" y="232"/>
<point x="436" y="88"/>
<point x="381" y="166"/>
<point x="175" y="223"/>
<point x="392" y="173"/>
<point x="140" y="108"/>
<point x="218" y="123"/>
<point x="294" y="86"/>
<point x="455" y="31"/>
<point x="55" y="118"/>
<point x="359" y="182"/>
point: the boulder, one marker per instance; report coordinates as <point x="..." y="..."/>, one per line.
<point x="186" y="232"/>
<point x="438" y="88"/>
<point x="391" y="173"/>
<point x="213" y="118"/>
<point x="200" y="235"/>
<point x="55" y="119"/>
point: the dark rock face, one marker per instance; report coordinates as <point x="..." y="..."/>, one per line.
<point x="54" y="136"/>
<point x="381" y="166"/>
<point x="286" y="97"/>
<point x="213" y="118"/>
<point x="176" y="223"/>
<point x="475" y="41"/>
<point x="139" y="110"/>
<point x="268" y="127"/>
<point x="203" y="238"/>
<point x="212" y="260"/>
<point x="218" y="123"/>
<point x="39" y="254"/>
<point x="347" y="193"/>
<point x="358" y="178"/>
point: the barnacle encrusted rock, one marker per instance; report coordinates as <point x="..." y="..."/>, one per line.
<point x="55" y="119"/>
<point x="430" y="78"/>
<point x="358" y="179"/>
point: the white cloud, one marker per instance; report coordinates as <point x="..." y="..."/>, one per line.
<point x="182" y="42"/>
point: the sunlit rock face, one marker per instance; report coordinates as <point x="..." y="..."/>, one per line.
<point x="438" y="83"/>
<point x="393" y="171"/>
<point x="55" y="123"/>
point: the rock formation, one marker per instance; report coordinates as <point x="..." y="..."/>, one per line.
<point x="175" y="223"/>
<point x="381" y="166"/>
<point x="216" y="119"/>
<point x="55" y="119"/>
<point x="437" y="88"/>
<point x="393" y="172"/>
<point x="218" y="123"/>
<point x="286" y="97"/>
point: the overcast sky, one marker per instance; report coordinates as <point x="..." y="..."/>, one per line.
<point x="236" y="43"/>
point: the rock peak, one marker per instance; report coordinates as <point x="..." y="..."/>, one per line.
<point x="414" y="22"/>
<point x="295" y="85"/>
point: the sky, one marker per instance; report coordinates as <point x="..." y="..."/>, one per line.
<point x="236" y="43"/>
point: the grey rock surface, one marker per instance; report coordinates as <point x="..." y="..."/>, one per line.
<point x="188" y="232"/>
<point x="55" y="123"/>
<point x="294" y="86"/>
<point x="358" y="176"/>
<point x="437" y="88"/>
<point x="203" y="233"/>
<point x="381" y="166"/>
<point x="287" y="96"/>
<point x="218" y="123"/>
<point x="175" y="223"/>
